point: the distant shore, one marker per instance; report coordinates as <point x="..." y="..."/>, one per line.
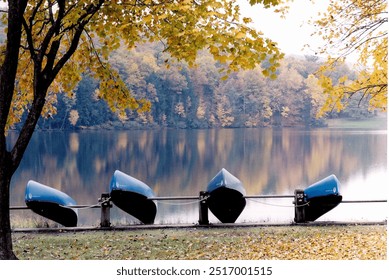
<point x="376" y="122"/>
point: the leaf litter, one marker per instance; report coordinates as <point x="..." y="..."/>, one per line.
<point x="254" y="243"/>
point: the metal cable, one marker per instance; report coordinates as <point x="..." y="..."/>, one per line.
<point x="278" y="205"/>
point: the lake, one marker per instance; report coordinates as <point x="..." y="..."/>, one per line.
<point x="182" y="162"/>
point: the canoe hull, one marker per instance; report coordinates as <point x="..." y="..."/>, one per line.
<point x="226" y="204"/>
<point x="59" y="214"/>
<point x="136" y="205"/>
<point x="322" y="197"/>
<point x="318" y="206"/>
<point x="133" y="197"/>
<point x="226" y="199"/>
<point x="51" y="204"/>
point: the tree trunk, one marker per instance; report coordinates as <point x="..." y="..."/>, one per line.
<point x="6" y="250"/>
<point x="7" y="82"/>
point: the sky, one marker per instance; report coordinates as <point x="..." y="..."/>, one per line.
<point x="291" y="33"/>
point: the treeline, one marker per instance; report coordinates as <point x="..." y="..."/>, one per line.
<point x="202" y="97"/>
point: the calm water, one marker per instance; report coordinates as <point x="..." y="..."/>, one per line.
<point x="181" y="162"/>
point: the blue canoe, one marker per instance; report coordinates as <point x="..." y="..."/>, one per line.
<point x="226" y="196"/>
<point x="322" y="197"/>
<point x="133" y="196"/>
<point x="51" y="203"/>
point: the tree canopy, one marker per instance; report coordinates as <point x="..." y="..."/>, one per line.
<point x="358" y="29"/>
<point x="65" y="39"/>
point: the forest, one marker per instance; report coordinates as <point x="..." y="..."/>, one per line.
<point x="202" y="96"/>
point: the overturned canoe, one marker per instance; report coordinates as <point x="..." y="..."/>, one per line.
<point x="51" y="203"/>
<point x="321" y="197"/>
<point x="226" y="199"/>
<point x="133" y="196"/>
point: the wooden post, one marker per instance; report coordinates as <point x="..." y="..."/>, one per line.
<point x="203" y="209"/>
<point x="106" y="205"/>
<point x="299" y="209"/>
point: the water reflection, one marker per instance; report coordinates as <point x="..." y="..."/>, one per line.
<point x="181" y="162"/>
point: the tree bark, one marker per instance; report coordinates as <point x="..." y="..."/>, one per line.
<point x="6" y="250"/>
<point x="8" y="71"/>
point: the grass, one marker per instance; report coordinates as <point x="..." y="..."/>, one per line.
<point x="282" y="243"/>
<point x="31" y="222"/>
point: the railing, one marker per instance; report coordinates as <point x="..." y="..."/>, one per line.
<point x="105" y="204"/>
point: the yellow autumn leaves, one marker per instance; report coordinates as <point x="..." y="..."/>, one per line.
<point x="186" y="27"/>
<point x="355" y="29"/>
<point x="52" y="28"/>
<point x="257" y="243"/>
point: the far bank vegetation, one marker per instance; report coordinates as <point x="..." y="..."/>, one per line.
<point x="202" y="97"/>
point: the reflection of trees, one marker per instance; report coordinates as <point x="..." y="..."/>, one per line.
<point x="181" y="162"/>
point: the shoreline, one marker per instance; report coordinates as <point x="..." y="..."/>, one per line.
<point x="196" y="226"/>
